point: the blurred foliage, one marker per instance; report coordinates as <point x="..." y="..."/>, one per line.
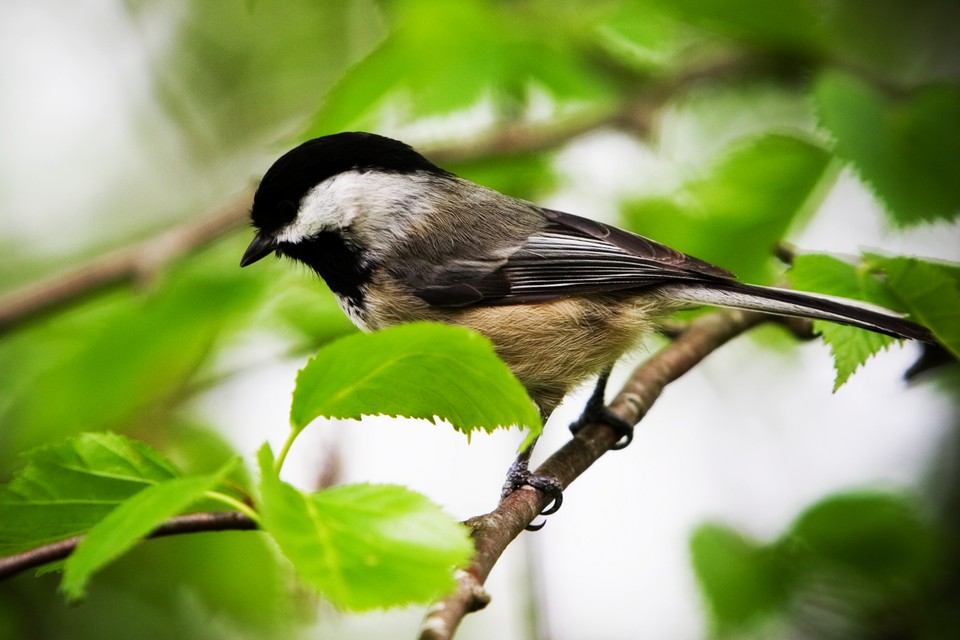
<point x="852" y="565"/>
<point x="130" y="522"/>
<point x="759" y="190"/>
<point x="748" y="110"/>
<point x="910" y="165"/>
<point x="246" y="67"/>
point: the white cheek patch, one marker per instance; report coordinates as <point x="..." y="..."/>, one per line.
<point x="372" y="199"/>
<point x="331" y="205"/>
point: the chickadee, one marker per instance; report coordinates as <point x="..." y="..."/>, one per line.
<point x="561" y="297"/>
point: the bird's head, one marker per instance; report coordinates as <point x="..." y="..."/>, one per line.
<point x="323" y="186"/>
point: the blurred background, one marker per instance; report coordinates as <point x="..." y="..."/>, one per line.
<point x="754" y="501"/>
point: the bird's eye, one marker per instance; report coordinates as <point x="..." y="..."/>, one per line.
<point x="286" y="211"/>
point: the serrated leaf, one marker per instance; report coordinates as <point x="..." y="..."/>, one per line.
<point x="364" y="546"/>
<point x="931" y="293"/>
<point x="67" y="488"/>
<point x="130" y="521"/>
<point x="827" y="274"/>
<point x="736" y="214"/>
<point x="740" y="579"/>
<point x="418" y="370"/>
<point x="851" y="347"/>
<point x="904" y="148"/>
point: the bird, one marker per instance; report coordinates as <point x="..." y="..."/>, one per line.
<point x="561" y="297"/>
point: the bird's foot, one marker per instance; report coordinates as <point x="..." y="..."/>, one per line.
<point x="595" y="412"/>
<point x="519" y="475"/>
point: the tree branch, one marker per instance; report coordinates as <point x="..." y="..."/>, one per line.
<point x="494" y="531"/>
<point x="140" y="261"/>
<point x="190" y="523"/>
<point x="635" y="115"/>
<point x="143" y="260"/>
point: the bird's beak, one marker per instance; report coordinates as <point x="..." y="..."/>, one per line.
<point x="260" y="247"/>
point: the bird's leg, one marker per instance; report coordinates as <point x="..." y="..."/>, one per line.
<point x="519" y="475"/>
<point x="597" y="411"/>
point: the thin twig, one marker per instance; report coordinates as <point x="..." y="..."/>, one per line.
<point x="636" y="115"/>
<point x="138" y="262"/>
<point x="144" y="259"/>
<point x="493" y="532"/>
<point x="190" y="523"/>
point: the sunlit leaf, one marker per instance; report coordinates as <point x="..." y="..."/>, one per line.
<point x="364" y="546"/>
<point x="416" y="370"/>
<point x="129" y="522"/>
<point x="443" y="57"/>
<point x="67" y="488"/>
<point x="640" y="35"/>
<point x="850" y="346"/>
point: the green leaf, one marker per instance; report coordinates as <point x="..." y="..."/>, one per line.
<point x="741" y="580"/>
<point x="880" y="537"/>
<point x="931" y="293"/>
<point x="904" y="148"/>
<point x="827" y="274"/>
<point x="130" y="521"/>
<point x="364" y="546"/>
<point x="104" y="367"/>
<point x="67" y="488"/>
<point x="440" y="57"/>
<point x="418" y="370"/>
<point x="851" y="347"/>
<point x="735" y="215"/>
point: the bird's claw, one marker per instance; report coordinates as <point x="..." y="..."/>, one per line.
<point x="603" y="415"/>
<point x="519" y="475"/>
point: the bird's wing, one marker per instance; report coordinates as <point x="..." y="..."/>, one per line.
<point x="569" y="255"/>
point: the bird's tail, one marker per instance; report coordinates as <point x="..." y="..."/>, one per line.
<point x="800" y="304"/>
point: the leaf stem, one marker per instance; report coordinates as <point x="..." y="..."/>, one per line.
<point x="278" y="463"/>
<point x="240" y="506"/>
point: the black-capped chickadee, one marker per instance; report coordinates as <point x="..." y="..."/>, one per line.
<point x="561" y="297"/>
